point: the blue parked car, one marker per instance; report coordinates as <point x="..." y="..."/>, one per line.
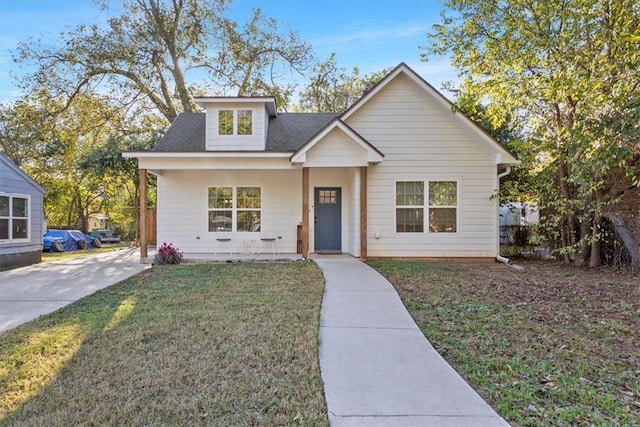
<point x="67" y="240"/>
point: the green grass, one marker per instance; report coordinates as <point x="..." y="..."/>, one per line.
<point x="203" y="344"/>
<point x="106" y="248"/>
<point x="552" y="346"/>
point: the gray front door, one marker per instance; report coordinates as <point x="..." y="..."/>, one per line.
<point x="328" y="220"/>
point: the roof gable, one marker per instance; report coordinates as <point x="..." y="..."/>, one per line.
<point x="372" y="154"/>
<point x="502" y="155"/>
<point x="13" y="167"/>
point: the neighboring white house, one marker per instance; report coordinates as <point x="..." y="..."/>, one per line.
<point x="399" y="174"/>
<point x="21" y="217"/>
<point x="519" y="213"/>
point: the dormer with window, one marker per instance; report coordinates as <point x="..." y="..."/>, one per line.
<point x="237" y="124"/>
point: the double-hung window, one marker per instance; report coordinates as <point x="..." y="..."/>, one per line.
<point x="235" y="122"/>
<point x="410" y="207"/>
<point x="235" y="209"/>
<point x="437" y="199"/>
<point x="14" y="217"/>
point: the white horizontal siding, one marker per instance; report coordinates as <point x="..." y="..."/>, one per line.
<point x="183" y="208"/>
<point x="213" y="163"/>
<point x="336" y="150"/>
<point x="256" y="141"/>
<point x="422" y="140"/>
<point x="13" y="183"/>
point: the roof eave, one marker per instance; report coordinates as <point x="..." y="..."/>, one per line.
<point x="269" y="101"/>
<point x="205" y="154"/>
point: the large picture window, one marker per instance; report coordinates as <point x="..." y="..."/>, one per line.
<point x="14" y="217"/>
<point x="440" y="204"/>
<point x="235" y="209"/>
<point x="235" y="122"/>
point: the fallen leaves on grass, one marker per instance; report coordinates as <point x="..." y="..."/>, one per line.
<point x="552" y="345"/>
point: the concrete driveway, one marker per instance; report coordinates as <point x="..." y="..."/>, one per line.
<point x="30" y="292"/>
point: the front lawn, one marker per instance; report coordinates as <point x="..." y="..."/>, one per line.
<point x="553" y="345"/>
<point x="203" y="344"/>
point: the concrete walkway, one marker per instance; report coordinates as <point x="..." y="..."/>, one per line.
<point x="378" y="369"/>
<point x="29" y="292"/>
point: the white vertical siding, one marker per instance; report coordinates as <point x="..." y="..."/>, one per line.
<point x="256" y="141"/>
<point x="183" y="208"/>
<point x="422" y="140"/>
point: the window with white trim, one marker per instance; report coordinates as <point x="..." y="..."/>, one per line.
<point x="440" y="204"/>
<point x="14" y="217"/>
<point x="443" y="206"/>
<point x="235" y="209"/>
<point x="235" y="122"/>
<point x="409" y="207"/>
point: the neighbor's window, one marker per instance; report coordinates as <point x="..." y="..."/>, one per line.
<point x="14" y="217"/>
<point x="220" y="208"/>
<point x="443" y="206"/>
<point x="245" y="122"/>
<point x="240" y="206"/>
<point x="235" y="122"/>
<point x="410" y="207"/>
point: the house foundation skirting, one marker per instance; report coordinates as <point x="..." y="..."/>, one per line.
<point x="9" y="261"/>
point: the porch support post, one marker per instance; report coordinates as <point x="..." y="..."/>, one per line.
<point x="305" y="213"/>
<point x="363" y="212"/>
<point x="143" y="214"/>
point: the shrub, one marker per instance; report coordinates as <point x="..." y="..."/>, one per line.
<point x="167" y="254"/>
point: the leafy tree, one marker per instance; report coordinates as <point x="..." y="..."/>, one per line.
<point x="120" y="177"/>
<point x="522" y="183"/>
<point x="50" y="148"/>
<point x="142" y="56"/>
<point x="570" y="73"/>
<point x="331" y="89"/>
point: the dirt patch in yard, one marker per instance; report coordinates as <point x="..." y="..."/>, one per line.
<point x="563" y="295"/>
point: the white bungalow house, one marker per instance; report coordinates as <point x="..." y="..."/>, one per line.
<point x="21" y="217"/>
<point x="399" y="174"/>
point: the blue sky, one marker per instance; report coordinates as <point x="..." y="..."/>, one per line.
<point x="369" y="34"/>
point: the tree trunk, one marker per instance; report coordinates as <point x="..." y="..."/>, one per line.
<point x="569" y="223"/>
<point x="583" y="256"/>
<point x="594" y="261"/>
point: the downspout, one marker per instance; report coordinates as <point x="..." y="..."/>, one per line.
<point x="499" y="258"/>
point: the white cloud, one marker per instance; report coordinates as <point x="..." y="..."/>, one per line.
<point x="370" y="31"/>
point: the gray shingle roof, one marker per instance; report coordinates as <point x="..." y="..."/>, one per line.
<point x="186" y="133"/>
<point x="287" y="131"/>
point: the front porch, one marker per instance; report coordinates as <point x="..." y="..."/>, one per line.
<point x="289" y="216"/>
